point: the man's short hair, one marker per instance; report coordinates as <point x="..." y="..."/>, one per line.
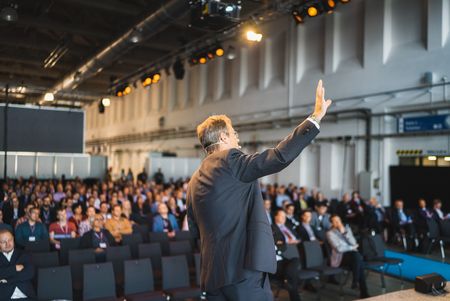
<point x="278" y="211"/>
<point x="321" y="204"/>
<point x="305" y="211"/>
<point x="208" y="132"/>
<point x="334" y="215"/>
<point x="3" y="231"/>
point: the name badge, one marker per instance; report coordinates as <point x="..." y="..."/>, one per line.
<point x="103" y="245"/>
<point x="31" y="238"/>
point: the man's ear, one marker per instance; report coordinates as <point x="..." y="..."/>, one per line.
<point x="223" y="137"/>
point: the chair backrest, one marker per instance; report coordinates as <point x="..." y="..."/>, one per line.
<point x="158" y="236"/>
<point x="313" y="254"/>
<point x="132" y="240"/>
<point x="433" y="228"/>
<point x="38" y="246"/>
<point x="175" y="272"/>
<point x="81" y="256"/>
<point x="197" y="268"/>
<point x="183" y="235"/>
<point x="68" y="244"/>
<point x="54" y="283"/>
<point x="180" y="247"/>
<point x="379" y="245"/>
<point x="138" y="276"/>
<point x="143" y="230"/>
<point x="368" y="248"/>
<point x="45" y="259"/>
<point x="119" y="253"/>
<point x="291" y="252"/>
<point x="98" y="281"/>
<point x="76" y="260"/>
<point x="445" y="228"/>
<point x="152" y="251"/>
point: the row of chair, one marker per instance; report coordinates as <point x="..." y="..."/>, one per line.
<point x="99" y="281"/>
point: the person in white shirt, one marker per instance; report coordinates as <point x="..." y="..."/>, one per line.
<point x="438" y="214"/>
<point x="16" y="270"/>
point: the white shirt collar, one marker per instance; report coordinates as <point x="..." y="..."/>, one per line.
<point x="8" y="255"/>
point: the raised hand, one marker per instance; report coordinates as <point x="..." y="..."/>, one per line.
<point x="322" y="105"/>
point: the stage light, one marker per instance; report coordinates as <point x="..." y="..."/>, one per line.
<point x="254" y="36"/>
<point x="119" y="93"/>
<point x="202" y="59"/>
<point x="106" y="102"/>
<point x="210" y="55"/>
<point x="178" y="69"/>
<point x="329" y="5"/>
<point x="49" y="97"/>
<point x="219" y="51"/>
<point x="432" y="158"/>
<point x="345" y="1"/>
<point x="299" y="15"/>
<point x="312" y="11"/>
<point x="156" y="77"/>
<point x="146" y="81"/>
<point x="231" y="53"/>
<point x="193" y="61"/>
<point x="127" y="90"/>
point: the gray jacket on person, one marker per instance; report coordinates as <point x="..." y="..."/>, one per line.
<point x="340" y="243"/>
<point x="225" y="209"/>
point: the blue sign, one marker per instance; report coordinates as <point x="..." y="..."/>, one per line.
<point x="424" y="123"/>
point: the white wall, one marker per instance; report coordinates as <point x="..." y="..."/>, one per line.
<point x="364" y="47"/>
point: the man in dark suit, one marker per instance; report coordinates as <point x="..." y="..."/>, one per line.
<point x="16" y="270"/>
<point x="225" y="206"/>
<point x="305" y="231"/>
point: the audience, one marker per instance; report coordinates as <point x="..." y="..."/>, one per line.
<point x="16" y="270"/>
<point x="101" y="212"/>
<point x="344" y="252"/>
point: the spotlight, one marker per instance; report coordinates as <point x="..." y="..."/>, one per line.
<point x="9" y="13"/>
<point x="146" y="81"/>
<point x="345" y="1"/>
<point x="136" y="36"/>
<point x="210" y="55"/>
<point x="156" y="77"/>
<point x="119" y="93"/>
<point x="312" y="11"/>
<point x="329" y="5"/>
<point x="49" y="97"/>
<point x="193" y="61"/>
<point x="219" y="51"/>
<point x="231" y="53"/>
<point x="253" y="36"/>
<point x="299" y="15"/>
<point x="127" y="90"/>
<point x="106" y="102"/>
<point x="202" y="59"/>
<point x="178" y="69"/>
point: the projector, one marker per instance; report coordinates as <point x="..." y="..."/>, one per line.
<point x="433" y="284"/>
<point x="215" y="8"/>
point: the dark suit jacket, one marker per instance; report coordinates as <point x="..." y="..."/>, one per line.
<point x="225" y="209"/>
<point x="8" y="213"/>
<point x="86" y="241"/>
<point x="303" y="234"/>
<point x="14" y="279"/>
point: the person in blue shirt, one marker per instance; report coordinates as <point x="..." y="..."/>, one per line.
<point x="164" y="221"/>
<point x="32" y="230"/>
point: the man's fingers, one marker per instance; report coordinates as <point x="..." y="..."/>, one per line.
<point x="319" y="88"/>
<point x="328" y="103"/>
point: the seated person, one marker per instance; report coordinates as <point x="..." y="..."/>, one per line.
<point x="31" y="230"/>
<point x="62" y="229"/>
<point x="16" y="270"/>
<point x="141" y="213"/>
<point x="3" y="225"/>
<point x="117" y="224"/>
<point x="268" y="210"/>
<point x="98" y="237"/>
<point x="305" y="231"/>
<point x="344" y="253"/>
<point x="86" y="224"/>
<point x="165" y="222"/>
<point x="286" y="268"/>
<point x="48" y="213"/>
<point x="375" y="219"/>
<point x="291" y="222"/>
<point x="280" y="224"/>
<point x="438" y="214"/>
<point x="12" y="210"/>
<point x="320" y="220"/>
<point x="402" y="222"/>
<point x="104" y="210"/>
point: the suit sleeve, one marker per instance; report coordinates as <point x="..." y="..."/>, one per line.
<point x="248" y="168"/>
<point x="192" y="224"/>
<point x="28" y="271"/>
